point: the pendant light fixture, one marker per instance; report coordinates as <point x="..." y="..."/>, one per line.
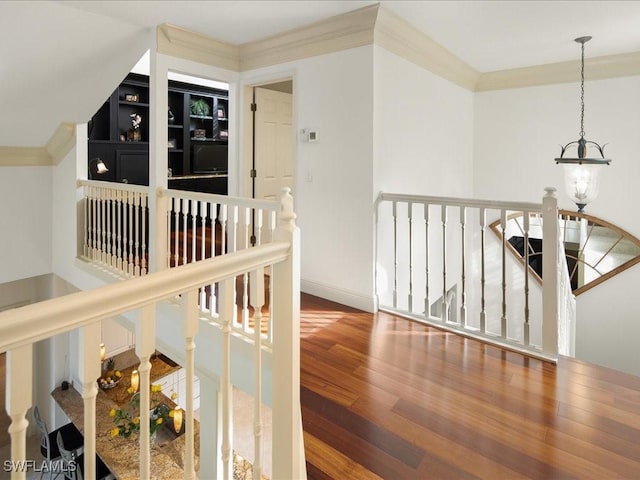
<point x="581" y="172"/>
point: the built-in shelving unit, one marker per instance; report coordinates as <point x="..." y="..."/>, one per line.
<point x="197" y="136"/>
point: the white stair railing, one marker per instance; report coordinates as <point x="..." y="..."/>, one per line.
<point x="201" y="225"/>
<point x="20" y="328"/>
<point x="418" y="236"/>
<point x="116" y="226"/>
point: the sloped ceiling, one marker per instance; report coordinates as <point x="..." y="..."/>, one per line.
<point x="59" y="64"/>
<point x="61" y="59"/>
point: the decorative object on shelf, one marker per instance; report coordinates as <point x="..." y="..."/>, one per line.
<point x="127" y="420"/>
<point x="224" y="134"/>
<point x="134" y="135"/>
<point x="582" y="172"/>
<point x="199" y="107"/>
<point x="171" y="117"/>
<point x="221" y="113"/>
<point x="171" y="143"/>
<point x="132" y="97"/>
<point x="111" y="377"/>
<point x="200" y="134"/>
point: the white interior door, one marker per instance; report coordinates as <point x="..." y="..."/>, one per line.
<point x="273" y="143"/>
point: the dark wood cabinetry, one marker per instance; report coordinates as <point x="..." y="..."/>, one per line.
<point x="197" y="136"/>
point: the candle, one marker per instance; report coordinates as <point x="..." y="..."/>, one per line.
<point x="177" y="419"/>
<point x="135" y="380"/>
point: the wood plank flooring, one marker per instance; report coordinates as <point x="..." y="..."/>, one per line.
<point x="385" y="397"/>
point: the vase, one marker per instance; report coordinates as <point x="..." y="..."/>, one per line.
<point x="134" y="135"/>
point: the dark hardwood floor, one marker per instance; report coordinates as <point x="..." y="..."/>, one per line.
<point x="384" y="397"/>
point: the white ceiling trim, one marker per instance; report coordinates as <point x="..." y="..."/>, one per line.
<point x="341" y="32"/>
<point x="24" y="157"/>
<point x="599" y="68"/>
<point x="179" y="42"/>
<point x="61" y="143"/>
<point x="396" y="35"/>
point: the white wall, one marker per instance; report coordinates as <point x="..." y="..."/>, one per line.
<point x="608" y="326"/>
<point x="423" y="145"/>
<point x="333" y="94"/>
<point x="518" y="133"/>
<point x="423" y="130"/>
<point x="25" y="210"/>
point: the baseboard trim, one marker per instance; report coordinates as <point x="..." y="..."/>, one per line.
<point x="339" y="295"/>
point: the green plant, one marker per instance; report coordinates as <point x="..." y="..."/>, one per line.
<point x="199" y="107"/>
<point x="127" y="421"/>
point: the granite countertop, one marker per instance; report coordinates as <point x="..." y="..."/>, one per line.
<point x="122" y="455"/>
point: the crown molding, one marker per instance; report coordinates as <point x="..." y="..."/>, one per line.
<point x="400" y="37"/>
<point x="61" y="142"/>
<point x="24" y="157"/>
<point x="598" y="68"/>
<point x="342" y="32"/>
<point x="182" y="43"/>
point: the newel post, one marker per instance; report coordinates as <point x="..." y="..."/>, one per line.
<point x="550" y="273"/>
<point x="288" y="445"/>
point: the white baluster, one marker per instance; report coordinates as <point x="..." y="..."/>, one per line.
<point x="194" y="229"/>
<point x="136" y="246"/>
<point x="112" y="222"/>
<point x="167" y="258"/>
<point x="176" y="231"/>
<point x="410" y="218"/>
<point x="103" y="222"/>
<point x="503" y="319"/>
<point x="145" y="346"/>
<point x="94" y="223"/>
<point x="227" y="307"/>
<point x="130" y="264"/>
<point x="89" y="371"/>
<point x="483" y="311"/>
<point x="427" y="301"/>
<point x="19" y="390"/>
<point x="445" y="303"/>
<point x="550" y="264"/>
<point x="189" y="331"/>
<point x="526" y="276"/>
<point x="463" y="306"/>
<point x="119" y="226"/>
<point x="107" y="201"/>
<point x="257" y="301"/>
<point x="88" y="220"/>
<point x="212" y="287"/>
<point x="185" y="227"/>
<point x="223" y="224"/>
<point x="394" y="213"/>
<point x="245" y="277"/>
<point x="203" y="237"/>
<point x="145" y="253"/>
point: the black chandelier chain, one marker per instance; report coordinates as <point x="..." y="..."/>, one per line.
<point x="582" y="95"/>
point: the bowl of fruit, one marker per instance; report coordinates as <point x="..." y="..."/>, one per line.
<point x="110" y="377"/>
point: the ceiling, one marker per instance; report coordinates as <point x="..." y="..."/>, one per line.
<point x="487" y="35"/>
<point x="60" y="57"/>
